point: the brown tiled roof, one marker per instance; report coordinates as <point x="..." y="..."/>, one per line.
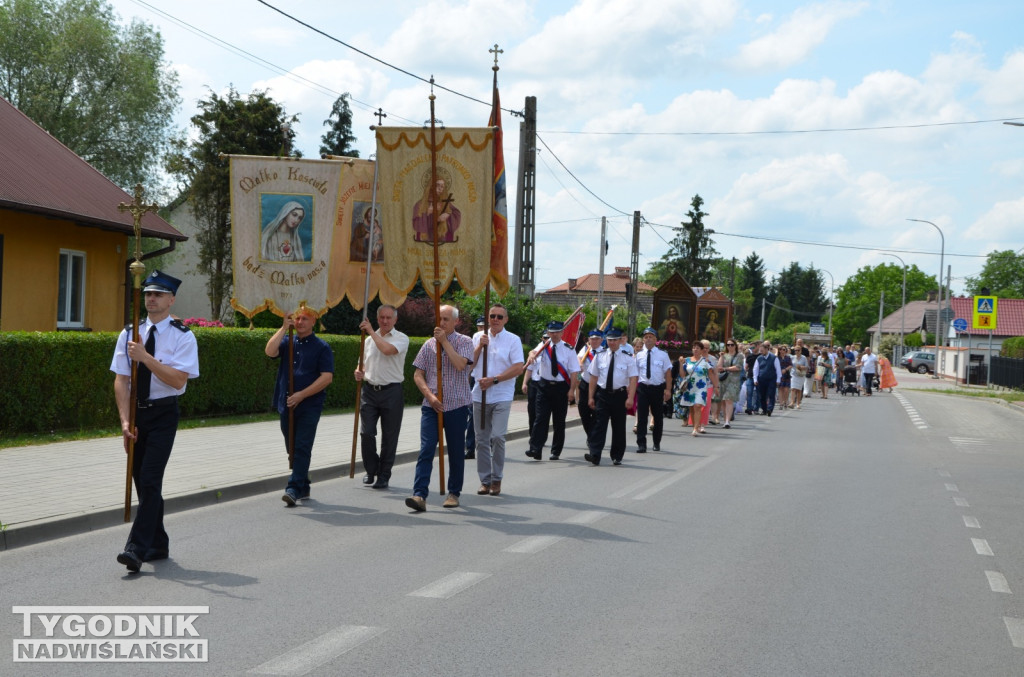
<point x="40" y="175"/>
<point x="1009" y="316"/>
<point x="613" y="284"/>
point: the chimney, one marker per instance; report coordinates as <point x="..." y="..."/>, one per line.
<point x="572" y="283"/>
<point x="933" y="295"/>
<point x="622" y="271"/>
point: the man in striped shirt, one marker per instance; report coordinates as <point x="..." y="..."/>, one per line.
<point x="456" y="362"/>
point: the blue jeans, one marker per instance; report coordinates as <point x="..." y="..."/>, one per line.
<point x="455" y="440"/>
<point x="306" y="420"/>
<point x="752" y="399"/>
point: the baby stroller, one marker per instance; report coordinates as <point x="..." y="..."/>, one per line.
<point x="850" y="382"/>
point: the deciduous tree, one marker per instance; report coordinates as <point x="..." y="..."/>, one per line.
<point x="100" y="88"/>
<point x="1002" y="275"/>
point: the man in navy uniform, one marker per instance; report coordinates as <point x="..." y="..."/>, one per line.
<point x="586" y="356"/>
<point x="167" y="358"/>
<point x="613" y="379"/>
<point x="558" y="370"/>
<point x="654" y="368"/>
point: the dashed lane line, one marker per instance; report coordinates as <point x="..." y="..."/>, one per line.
<point x="450" y="585"/>
<point x="982" y="547"/>
<point x="314" y="653"/>
<point x="971" y="522"/>
<point x="998" y="582"/>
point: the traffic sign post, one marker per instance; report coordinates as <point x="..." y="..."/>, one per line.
<point x="984" y="311"/>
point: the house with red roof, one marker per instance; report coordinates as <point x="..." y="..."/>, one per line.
<point x="580" y="290"/>
<point x="64" y="245"/>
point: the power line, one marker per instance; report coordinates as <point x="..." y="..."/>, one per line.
<point x="826" y="130"/>
<point x="833" y="245"/>
<point x="576" y="178"/>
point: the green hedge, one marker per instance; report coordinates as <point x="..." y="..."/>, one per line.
<point x="1013" y="347"/>
<point x="62" y="380"/>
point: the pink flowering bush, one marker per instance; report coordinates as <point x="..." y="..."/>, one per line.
<point x="200" y="322"/>
<point x="673" y="345"/>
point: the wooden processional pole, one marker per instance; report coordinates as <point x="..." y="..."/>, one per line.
<point x="437" y="281"/>
<point x="138" y="209"/>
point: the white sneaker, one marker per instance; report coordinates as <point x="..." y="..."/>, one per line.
<point x="726" y="426"/>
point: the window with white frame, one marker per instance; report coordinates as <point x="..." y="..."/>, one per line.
<point x="71" y="291"/>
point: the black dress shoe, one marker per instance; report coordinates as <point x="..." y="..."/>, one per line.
<point x="553" y="457"/>
<point x="470" y="455"/>
<point x="657" y="447"/>
<point x="154" y="554"/>
<point x="535" y="456"/>
<point x="380" y="483"/>
<point x="643" y="450"/>
<point x="595" y="461"/>
<point x="130" y="560"/>
<point x="617" y="462"/>
<point x="368" y="478"/>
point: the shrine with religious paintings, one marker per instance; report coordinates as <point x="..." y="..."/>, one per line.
<point x="682" y="314"/>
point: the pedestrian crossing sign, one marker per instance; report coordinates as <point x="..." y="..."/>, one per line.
<point x="984" y="315"/>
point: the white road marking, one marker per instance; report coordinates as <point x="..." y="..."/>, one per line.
<point x="951" y="487"/>
<point x="305" y="658"/>
<point x="669" y="481"/>
<point x="1015" y="626"/>
<point x="969" y="445"/>
<point x="587" y="517"/>
<point x="533" y="544"/>
<point x="944" y="473"/>
<point x="960" y="502"/>
<point x="971" y="522"/>
<point x="997" y="582"/>
<point x="450" y="585"/>
<point x="982" y="547"/>
<point x="915" y="417"/>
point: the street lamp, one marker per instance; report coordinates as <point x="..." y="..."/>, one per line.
<point x="903" y="315"/>
<point x="940" y="337"/>
<point x="831" y="303"/>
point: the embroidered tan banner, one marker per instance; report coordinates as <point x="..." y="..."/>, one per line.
<point x="282" y="223"/>
<point x="464" y="198"/>
<point x="349" y="252"/>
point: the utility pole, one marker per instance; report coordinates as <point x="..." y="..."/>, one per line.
<point x="732" y="280"/>
<point x="525" y="244"/>
<point x="634" y="274"/>
<point x="762" y="318"/>
<point x="600" y="268"/>
<point x="881" y="314"/>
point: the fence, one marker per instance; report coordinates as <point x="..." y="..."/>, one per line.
<point x="1007" y="372"/>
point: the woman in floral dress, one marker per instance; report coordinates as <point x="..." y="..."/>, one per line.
<point x="696" y="377"/>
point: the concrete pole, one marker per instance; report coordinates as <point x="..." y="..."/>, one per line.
<point x="939" y="342"/>
<point x="600" y="269"/>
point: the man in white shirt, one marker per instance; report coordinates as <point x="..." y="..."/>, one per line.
<point x="613" y="379"/>
<point x="869" y="367"/>
<point x="502" y="351"/>
<point x="586" y="356"/>
<point x="381" y="397"/>
<point x="558" y="371"/>
<point x="654" y="369"/>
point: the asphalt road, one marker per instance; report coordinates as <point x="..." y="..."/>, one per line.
<point x="858" y="536"/>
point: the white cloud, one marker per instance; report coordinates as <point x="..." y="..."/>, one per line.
<point x="1000" y="226"/>
<point x="795" y="38"/>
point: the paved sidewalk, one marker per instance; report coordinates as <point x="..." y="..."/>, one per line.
<point x="55" y="490"/>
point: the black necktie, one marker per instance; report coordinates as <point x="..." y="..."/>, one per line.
<point x="648" y="365"/>
<point x="554" y="361"/>
<point x="611" y="370"/>
<point x="145" y="376"/>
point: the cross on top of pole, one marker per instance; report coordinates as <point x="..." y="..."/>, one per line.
<point x="138" y="208"/>
<point x="380" y="115"/>
<point x="496" y="52"/>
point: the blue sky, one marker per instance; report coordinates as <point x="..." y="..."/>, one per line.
<point x="731" y="87"/>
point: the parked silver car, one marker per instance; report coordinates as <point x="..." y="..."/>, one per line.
<point x="920" y="361"/>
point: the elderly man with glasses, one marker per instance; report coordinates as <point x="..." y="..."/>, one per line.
<point x="504" y="358"/>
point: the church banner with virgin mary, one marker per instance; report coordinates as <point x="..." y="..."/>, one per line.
<point x="282" y="223"/>
<point x="451" y="199"/>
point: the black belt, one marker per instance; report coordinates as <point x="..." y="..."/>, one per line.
<point x="383" y="387"/>
<point x="161" y="402"/>
<point x="546" y="381"/>
<point x="653" y="385"/>
<point x="614" y="390"/>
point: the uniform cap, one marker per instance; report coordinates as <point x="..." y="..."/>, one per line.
<point x="596" y="332"/>
<point x="555" y="325"/>
<point x="614" y="333"/>
<point x="161" y="282"/>
<point x="650" y="330"/>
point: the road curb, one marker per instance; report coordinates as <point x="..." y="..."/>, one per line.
<point x="61" y="526"/>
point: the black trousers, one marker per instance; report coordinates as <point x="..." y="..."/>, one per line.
<point x="157" y="428"/>
<point x="552" y="401"/>
<point x="649" y="398"/>
<point x="531" y="403"/>
<point x="582" y="403"/>
<point x="608" y="406"/>
<point x="384" y="405"/>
